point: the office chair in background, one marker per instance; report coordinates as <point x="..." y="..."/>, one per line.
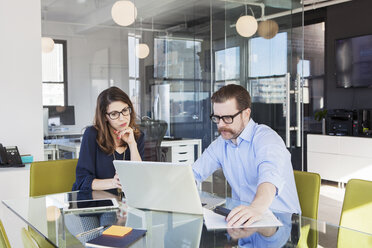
<point x="154" y="131"/>
<point x="356" y="214"/>
<point x="308" y="189"/>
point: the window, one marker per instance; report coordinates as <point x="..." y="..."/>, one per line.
<point x="227" y="66"/>
<point x="54" y="75"/>
<point x="134" y="83"/>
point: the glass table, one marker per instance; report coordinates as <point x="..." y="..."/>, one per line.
<point x="46" y="218"/>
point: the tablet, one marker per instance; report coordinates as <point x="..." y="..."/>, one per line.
<point x="89" y="205"/>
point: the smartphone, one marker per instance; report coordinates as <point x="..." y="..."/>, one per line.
<point x="89" y="205"/>
<point x="222" y="211"/>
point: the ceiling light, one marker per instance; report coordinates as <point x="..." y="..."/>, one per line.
<point x="268" y="29"/>
<point x="246" y="26"/>
<point x="47" y="44"/>
<point x="142" y="50"/>
<point x="124" y="13"/>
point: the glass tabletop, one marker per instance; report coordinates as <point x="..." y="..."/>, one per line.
<point x="45" y="215"/>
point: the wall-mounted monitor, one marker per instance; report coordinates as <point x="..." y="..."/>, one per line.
<point x="354" y="61"/>
<point x="61" y="115"/>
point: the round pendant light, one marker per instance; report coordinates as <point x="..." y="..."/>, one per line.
<point x="142" y="50"/>
<point x="268" y="29"/>
<point x="246" y="26"/>
<point x="47" y="44"/>
<point x="52" y="213"/>
<point x="124" y="12"/>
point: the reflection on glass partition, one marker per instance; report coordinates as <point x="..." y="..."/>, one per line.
<point x="268" y="57"/>
<point x="176" y="58"/>
<point x="268" y="90"/>
<point x="228" y="64"/>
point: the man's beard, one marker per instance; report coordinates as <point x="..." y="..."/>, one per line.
<point x="229" y="130"/>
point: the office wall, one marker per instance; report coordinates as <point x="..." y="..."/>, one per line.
<point x="21" y="117"/>
<point x="346" y="20"/>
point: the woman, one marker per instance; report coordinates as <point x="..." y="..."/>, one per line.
<point x="114" y="136"/>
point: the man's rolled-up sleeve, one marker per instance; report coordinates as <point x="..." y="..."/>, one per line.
<point x="207" y="163"/>
<point x="271" y="159"/>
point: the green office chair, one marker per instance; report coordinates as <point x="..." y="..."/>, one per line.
<point x="49" y="177"/>
<point x="308" y="188"/>
<point x="38" y="239"/>
<point x="4" y="241"/>
<point x="27" y="240"/>
<point x="356" y="214"/>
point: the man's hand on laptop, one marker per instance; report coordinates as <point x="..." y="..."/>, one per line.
<point x="244" y="216"/>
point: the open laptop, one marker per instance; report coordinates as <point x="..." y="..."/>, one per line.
<point x="159" y="186"/>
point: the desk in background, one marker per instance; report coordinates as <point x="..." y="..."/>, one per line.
<point x="339" y="158"/>
<point x="180" y="151"/>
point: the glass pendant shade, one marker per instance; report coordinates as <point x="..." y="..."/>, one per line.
<point x="246" y="26"/>
<point x="124" y="13"/>
<point x="268" y="29"/>
<point x="47" y="44"/>
<point x="142" y="50"/>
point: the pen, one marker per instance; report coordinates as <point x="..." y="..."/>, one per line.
<point x="92" y="230"/>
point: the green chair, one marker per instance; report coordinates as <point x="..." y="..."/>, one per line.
<point x="27" y="240"/>
<point x="4" y="241"/>
<point x="50" y="177"/>
<point x="38" y="239"/>
<point x="308" y="188"/>
<point x="356" y="214"/>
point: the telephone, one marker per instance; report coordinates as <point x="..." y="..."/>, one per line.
<point x="9" y="157"/>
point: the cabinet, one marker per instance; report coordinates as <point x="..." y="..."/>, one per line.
<point x="181" y="151"/>
<point x="339" y="158"/>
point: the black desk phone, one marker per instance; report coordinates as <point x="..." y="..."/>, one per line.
<point x="9" y="157"/>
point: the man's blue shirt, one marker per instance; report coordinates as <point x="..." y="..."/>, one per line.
<point x="259" y="156"/>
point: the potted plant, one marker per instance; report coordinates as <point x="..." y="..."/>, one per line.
<point x="320" y="116"/>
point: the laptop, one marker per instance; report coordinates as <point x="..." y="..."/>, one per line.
<point x="159" y="186"/>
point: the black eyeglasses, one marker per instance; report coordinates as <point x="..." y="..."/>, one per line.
<point x="114" y="115"/>
<point x="228" y="119"/>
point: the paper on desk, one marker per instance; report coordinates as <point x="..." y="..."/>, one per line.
<point x="217" y="221"/>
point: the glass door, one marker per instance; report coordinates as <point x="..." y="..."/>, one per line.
<point x="267" y="63"/>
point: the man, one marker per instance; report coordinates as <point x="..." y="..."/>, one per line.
<point x="253" y="158"/>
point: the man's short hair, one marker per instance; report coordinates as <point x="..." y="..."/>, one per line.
<point x="233" y="91"/>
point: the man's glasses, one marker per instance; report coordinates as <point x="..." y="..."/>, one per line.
<point x="228" y="119"/>
<point x="114" y="115"/>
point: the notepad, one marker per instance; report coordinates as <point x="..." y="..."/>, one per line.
<point x="117" y="231"/>
<point x="117" y="241"/>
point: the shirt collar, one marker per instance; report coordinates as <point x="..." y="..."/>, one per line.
<point x="246" y="134"/>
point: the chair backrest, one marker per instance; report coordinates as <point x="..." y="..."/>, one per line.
<point x="49" y="177"/>
<point x="154" y="131"/>
<point x="4" y="241"/>
<point x="308" y="188"/>
<point x="356" y="214"/>
<point x="27" y="240"/>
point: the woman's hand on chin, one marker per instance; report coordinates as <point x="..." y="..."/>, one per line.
<point x="126" y="135"/>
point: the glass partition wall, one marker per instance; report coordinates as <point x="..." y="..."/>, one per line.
<point x="193" y="49"/>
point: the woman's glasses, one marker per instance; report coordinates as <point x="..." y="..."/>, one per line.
<point x="114" y="115"/>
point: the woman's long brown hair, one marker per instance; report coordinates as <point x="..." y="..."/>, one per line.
<point x="104" y="136"/>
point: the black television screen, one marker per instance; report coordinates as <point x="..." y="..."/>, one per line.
<point x="61" y="115"/>
<point x="354" y="62"/>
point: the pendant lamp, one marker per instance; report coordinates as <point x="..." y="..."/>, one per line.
<point x="124" y="12"/>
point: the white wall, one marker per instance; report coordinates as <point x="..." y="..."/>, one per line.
<point x="21" y="117"/>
